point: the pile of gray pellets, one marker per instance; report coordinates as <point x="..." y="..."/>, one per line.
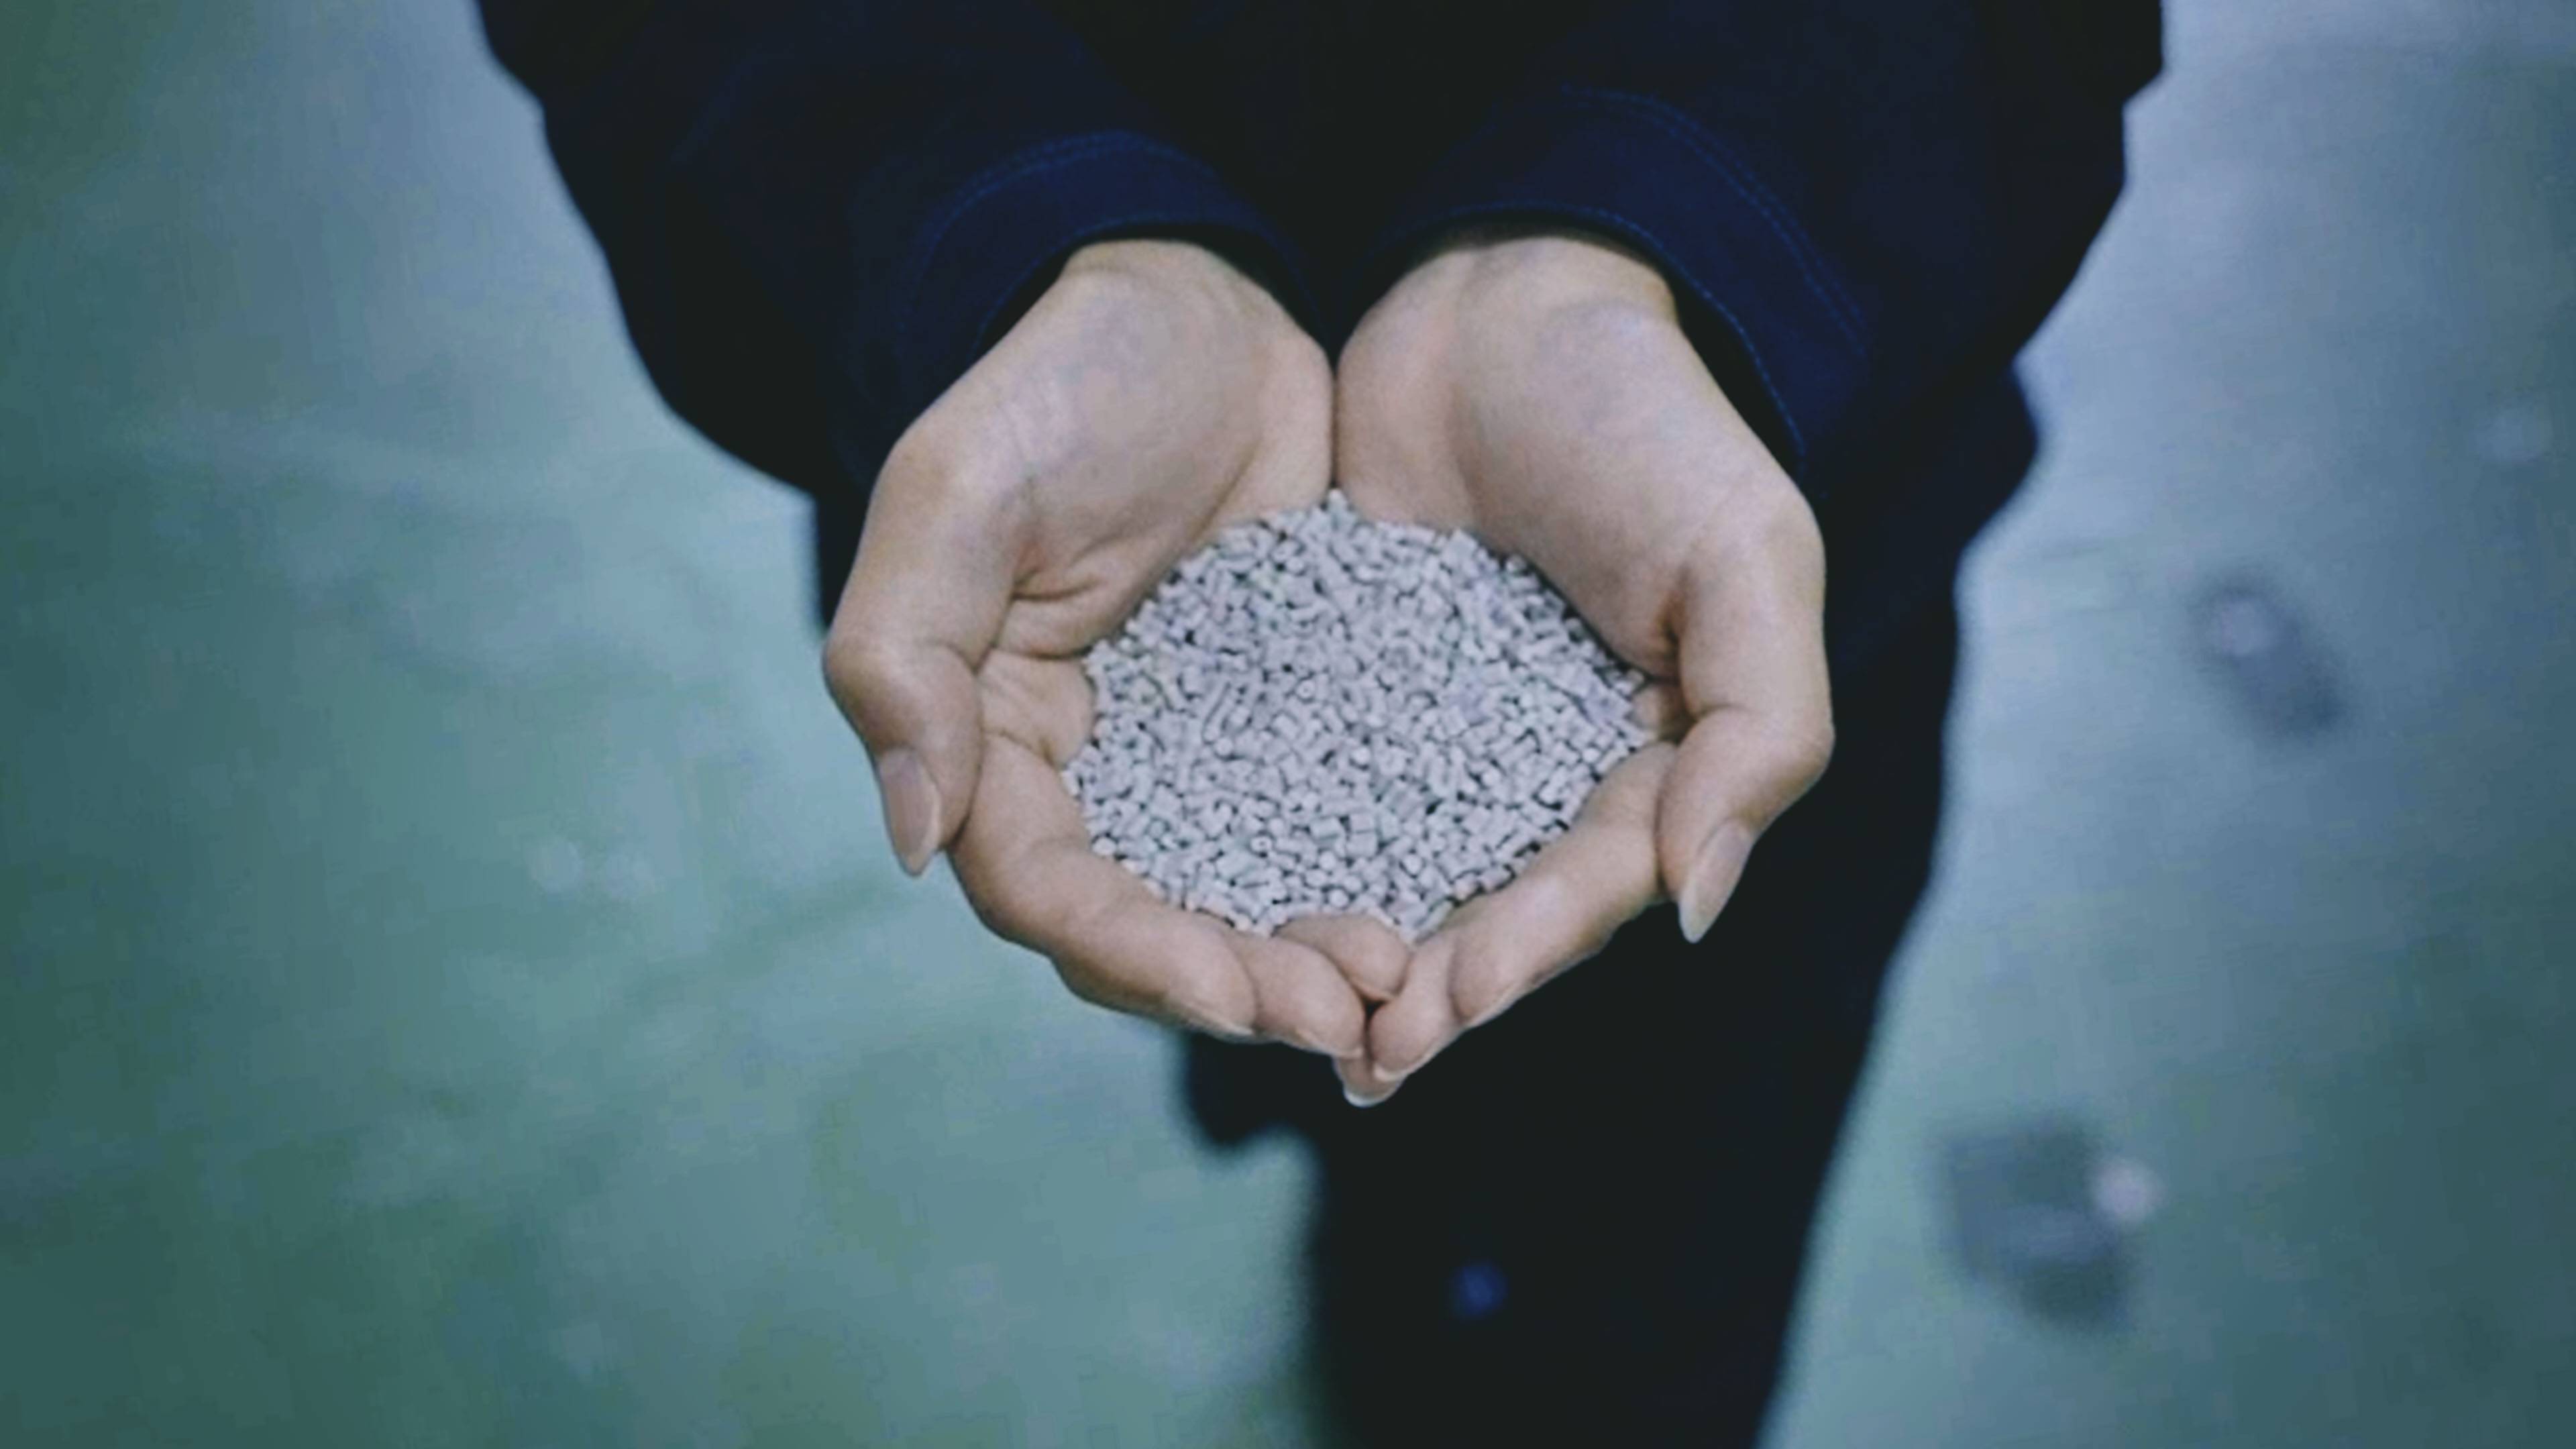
<point x="1318" y="713"/>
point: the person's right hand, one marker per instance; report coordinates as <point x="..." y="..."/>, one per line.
<point x="1152" y="396"/>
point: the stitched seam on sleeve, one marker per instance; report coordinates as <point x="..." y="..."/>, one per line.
<point x="1123" y="220"/>
<point x="1746" y="186"/>
<point x="1751" y="176"/>
<point x="1037" y="160"/>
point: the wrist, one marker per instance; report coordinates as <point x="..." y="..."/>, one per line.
<point x="1157" y="258"/>
<point x="1538" y="265"/>
<point x="1185" y="274"/>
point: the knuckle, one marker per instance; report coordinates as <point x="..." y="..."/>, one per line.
<point x="1784" y="753"/>
<point x="1379" y="968"/>
<point x="994" y="914"/>
<point x="925" y="453"/>
<point x="1787" y="763"/>
<point x="1085" y="985"/>
<point x="858" y="668"/>
<point x="970" y="453"/>
<point x="1808" y="750"/>
<point x="1768" y="530"/>
<point x="998" y="890"/>
<point x="1778" y="515"/>
<point x="840" y="668"/>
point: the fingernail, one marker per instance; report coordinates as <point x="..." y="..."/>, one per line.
<point x="1713" y="877"/>
<point x="911" y="809"/>
<point x="1203" y="1010"/>
<point x="1356" y="1100"/>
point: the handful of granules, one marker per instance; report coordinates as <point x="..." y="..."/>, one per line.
<point x="1321" y="714"/>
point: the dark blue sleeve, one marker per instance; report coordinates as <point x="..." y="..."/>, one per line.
<point x="1865" y="206"/>
<point x="818" y="213"/>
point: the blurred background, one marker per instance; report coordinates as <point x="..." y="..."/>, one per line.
<point x="456" y="993"/>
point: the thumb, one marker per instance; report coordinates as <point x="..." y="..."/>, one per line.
<point x="1752" y="656"/>
<point x="922" y="608"/>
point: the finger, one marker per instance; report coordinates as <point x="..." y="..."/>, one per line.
<point x="923" y="604"/>
<point x="1561" y="909"/>
<point x="1735" y="774"/>
<point x="1304" y="1000"/>
<point x="1662" y="711"/>
<point x="1028" y="869"/>
<point x="1409" y="1031"/>
<point x="1567" y="902"/>
<point x="1368" y="952"/>
<point x="1362" y="1086"/>
<point x="1750" y="644"/>
<point x="1042" y="708"/>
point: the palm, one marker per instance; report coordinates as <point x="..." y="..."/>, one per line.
<point x="1150" y="398"/>
<point x="1540" y="394"/>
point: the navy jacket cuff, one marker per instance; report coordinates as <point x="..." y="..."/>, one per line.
<point x="983" y="255"/>
<point x="1774" y="323"/>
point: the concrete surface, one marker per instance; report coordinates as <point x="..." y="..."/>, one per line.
<point x="456" y="992"/>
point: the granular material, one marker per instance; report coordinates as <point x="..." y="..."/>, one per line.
<point x="1318" y="713"/>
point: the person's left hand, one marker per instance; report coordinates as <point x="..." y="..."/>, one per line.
<point x="1538" y="392"/>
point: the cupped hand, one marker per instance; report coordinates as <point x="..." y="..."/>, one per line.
<point x="1152" y="396"/>
<point x="1539" y="392"/>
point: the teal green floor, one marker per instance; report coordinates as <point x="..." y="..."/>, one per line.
<point x="457" y="994"/>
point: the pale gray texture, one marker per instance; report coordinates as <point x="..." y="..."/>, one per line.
<point x="1319" y="713"/>
<point x="453" y="1000"/>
